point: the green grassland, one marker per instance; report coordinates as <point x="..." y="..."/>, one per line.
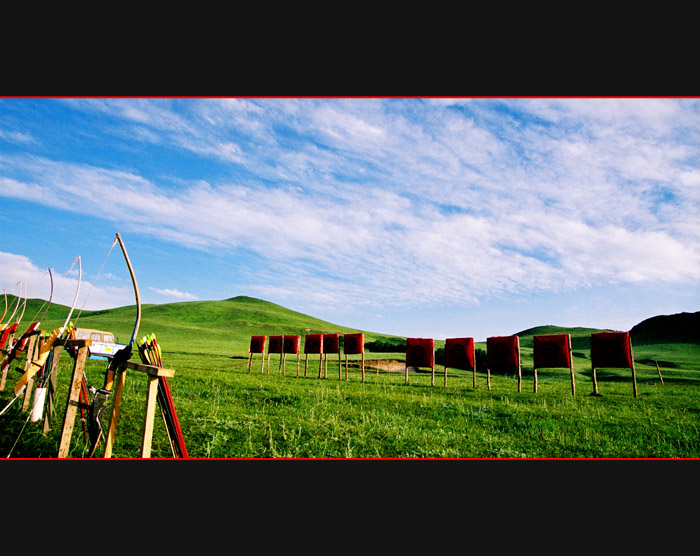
<point x="226" y="411"/>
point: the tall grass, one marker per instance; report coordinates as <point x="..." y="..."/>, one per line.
<point x="227" y="412"/>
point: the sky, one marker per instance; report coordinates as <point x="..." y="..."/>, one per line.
<point x="417" y="217"/>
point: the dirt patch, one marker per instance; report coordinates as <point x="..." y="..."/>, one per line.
<point x="387" y="365"/>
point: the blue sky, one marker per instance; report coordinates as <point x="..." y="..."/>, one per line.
<point x="430" y="217"/>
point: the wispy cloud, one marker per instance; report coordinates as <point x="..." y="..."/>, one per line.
<point x="399" y="200"/>
<point x="173" y="293"/>
<point x="67" y="282"/>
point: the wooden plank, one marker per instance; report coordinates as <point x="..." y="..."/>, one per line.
<point x="151" y="399"/>
<point x="114" y="419"/>
<point x="51" y="393"/>
<point x="31" y="345"/>
<point x="151" y="370"/>
<point x="73" y="398"/>
<point x="571" y="359"/>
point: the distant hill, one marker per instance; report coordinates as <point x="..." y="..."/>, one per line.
<point x="580" y="337"/>
<point x="229" y="322"/>
<point x="242" y="316"/>
<point x="666" y="329"/>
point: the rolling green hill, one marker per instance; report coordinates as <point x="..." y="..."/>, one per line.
<point x="226" y="325"/>
<point x="195" y="326"/>
<point x="580" y="337"/>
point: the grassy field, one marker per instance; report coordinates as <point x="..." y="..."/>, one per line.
<point x="227" y="412"/>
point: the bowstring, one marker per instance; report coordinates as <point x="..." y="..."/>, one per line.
<point x="92" y="286"/>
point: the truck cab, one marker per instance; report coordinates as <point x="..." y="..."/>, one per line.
<point x="103" y="344"/>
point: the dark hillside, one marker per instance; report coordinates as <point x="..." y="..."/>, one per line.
<point x="664" y="329"/>
<point x="580" y="337"/>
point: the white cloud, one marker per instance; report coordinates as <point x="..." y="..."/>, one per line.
<point x="421" y="200"/>
<point x="19" y="268"/>
<point x="168" y="292"/>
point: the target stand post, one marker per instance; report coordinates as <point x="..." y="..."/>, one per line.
<point x="274" y="345"/>
<point x="353" y="344"/>
<point x="612" y="350"/>
<point x="313" y="343"/>
<point x="420" y="352"/>
<point x="503" y="353"/>
<point x="331" y="344"/>
<point x="290" y="344"/>
<point x="459" y="353"/>
<point x="257" y="345"/>
<point x="553" y="351"/>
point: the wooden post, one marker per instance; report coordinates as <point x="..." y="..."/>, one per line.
<point x="114" y="418"/>
<point x="149" y="418"/>
<point x="658" y="370"/>
<point x="445" y="381"/>
<point x="153" y="373"/>
<point x="250" y="358"/>
<point x="488" y="377"/>
<point x="73" y="395"/>
<point x="573" y="378"/>
<point x="534" y="370"/>
<point x="51" y="385"/>
<point x="306" y="364"/>
<point x="634" y="374"/>
<point x="31" y="345"/>
<point x="474" y="374"/>
<point x="520" y="367"/>
<point x="595" y="380"/>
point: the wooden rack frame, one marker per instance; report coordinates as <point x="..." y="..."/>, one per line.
<point x="73" y="401"/>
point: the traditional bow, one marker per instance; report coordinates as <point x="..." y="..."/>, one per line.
<point x="18" y="300"/>
<point x="118" y="360"/>
<point x="21" y="343"/>
<point x="47" y="346"/>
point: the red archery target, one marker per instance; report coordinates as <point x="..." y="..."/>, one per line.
<point x="420" y="352"/>
<point x="611" y="350"/>
<point x="291" y="344"/>
<point x="503" y="352"/>
<point x="313" y="343"/>
<point x="459" y="353"/>
<point x="257" y="344"/>
<point x="354" y="343"/>
<point x="551" y="350"/>
<point x="275" y="344"/>
<point x="331" y="343"/>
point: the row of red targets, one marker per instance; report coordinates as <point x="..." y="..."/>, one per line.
<point x="322" y="344"/>
<point x="313" y="343"/>
<point x="608" y="350"/>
